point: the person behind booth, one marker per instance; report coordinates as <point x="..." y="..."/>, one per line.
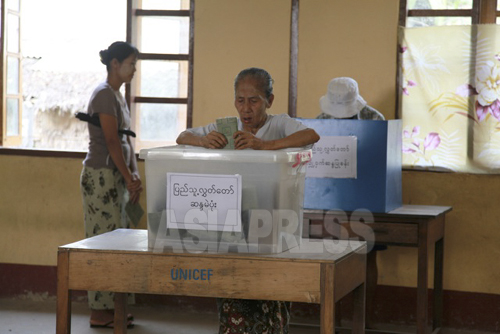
<point x="253" y="95"/>
<point x="342" y="101"/>
<point x="109" y="178"/>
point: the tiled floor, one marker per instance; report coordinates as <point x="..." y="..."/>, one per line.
<point x="36" y="315"/>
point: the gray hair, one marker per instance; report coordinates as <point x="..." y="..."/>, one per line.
<point x="263" y="78"/>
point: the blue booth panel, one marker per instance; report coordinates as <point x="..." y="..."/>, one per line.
<point x="377" y="186"/>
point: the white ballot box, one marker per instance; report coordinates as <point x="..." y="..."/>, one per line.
<point x="224" y="200"/>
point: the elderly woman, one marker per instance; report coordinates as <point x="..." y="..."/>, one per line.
<point x="253" y="95"/>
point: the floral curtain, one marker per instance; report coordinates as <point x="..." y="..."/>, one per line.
<point x="450" y="98"/>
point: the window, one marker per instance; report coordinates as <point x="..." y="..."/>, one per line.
<point x="449" y="100"/>
<point x="58" y="68"/>
<point x="52" y="66"/>
<point x="415" y="13"/>
<point x="160" y="95"/>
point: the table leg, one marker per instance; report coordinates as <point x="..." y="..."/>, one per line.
<point x="422" y="303"/>
<point x="327" y="299"/>
<point x="358" y="317"/>
<point x="438" y="284"/>
<point x="63" y="316"/>
<point x="120" y="320"/>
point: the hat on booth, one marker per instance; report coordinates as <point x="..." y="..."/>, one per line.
<point x="342" y="99"/>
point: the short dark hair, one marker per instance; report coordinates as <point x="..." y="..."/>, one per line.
<point x="118" y="50"/>
<point x="264" y="80"/>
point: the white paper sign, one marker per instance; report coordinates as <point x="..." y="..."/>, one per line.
<point x="204" y="202"/>
<point x="334" y="157"/>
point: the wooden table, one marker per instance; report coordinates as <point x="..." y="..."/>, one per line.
<point x="120" y="261"/>
<point x="410" y="225"/>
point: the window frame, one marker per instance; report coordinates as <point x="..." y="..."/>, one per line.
<point x="133" y="28"/>
<point x="482" y="11"/>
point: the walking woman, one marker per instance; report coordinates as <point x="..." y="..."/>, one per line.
<point x="109" y="178"/>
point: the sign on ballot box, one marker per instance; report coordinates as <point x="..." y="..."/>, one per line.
<point x="204" y="202"/>
<point x="372" y="148"/>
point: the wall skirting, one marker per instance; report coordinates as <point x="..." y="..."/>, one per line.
<point x="464" y="310"/>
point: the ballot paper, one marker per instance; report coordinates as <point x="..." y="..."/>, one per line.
<point x="228" y="126"/>
<point x="134" y="213"/>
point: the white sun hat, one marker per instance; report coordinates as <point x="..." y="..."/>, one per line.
<point x="342" y="99"/>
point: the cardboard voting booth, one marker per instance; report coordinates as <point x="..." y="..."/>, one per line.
<point x="355" y="165"/>
<point x="224" y="200"/>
